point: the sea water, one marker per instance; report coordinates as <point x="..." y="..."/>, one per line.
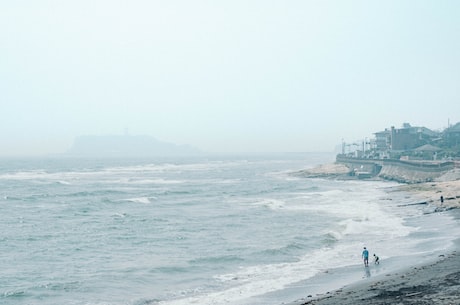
<point x="204" y="230"/>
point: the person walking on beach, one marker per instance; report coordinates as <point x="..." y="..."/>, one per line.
<point x="365" y="256"/>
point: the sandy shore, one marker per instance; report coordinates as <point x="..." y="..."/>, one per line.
<point x="431" y="192"/>
<point x="435" y="283"/>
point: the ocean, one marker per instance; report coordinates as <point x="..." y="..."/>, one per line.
<point x="203" y="230"/>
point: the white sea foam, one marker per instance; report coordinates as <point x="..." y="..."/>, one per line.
<point x="153" y="181"/>
<point x="144" y="200"/>
<point x="270" y="203"/>
<point x="258" y="280"/>
<point x="24" y="175"/>
<point x="175" y="167"/>
<point x="63" y="182"/>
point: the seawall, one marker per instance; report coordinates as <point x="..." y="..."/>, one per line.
<point x="399" y="170"/>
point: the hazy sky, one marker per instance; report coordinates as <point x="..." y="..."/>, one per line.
<point x="225" y="75"/>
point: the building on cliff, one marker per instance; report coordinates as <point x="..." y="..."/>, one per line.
<point x="452" y="135"/>
<point x="408" y="154"/>
<point x="402" y="139"/>
<point x="408" y="143"/>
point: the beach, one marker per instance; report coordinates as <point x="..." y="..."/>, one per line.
<point x="431" y="192"/>
<point x="433" y="282"/>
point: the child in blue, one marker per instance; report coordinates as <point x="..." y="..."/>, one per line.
<point x="365" y="256"/>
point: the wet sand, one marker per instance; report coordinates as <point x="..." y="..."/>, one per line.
<point x="434" y="283"/>
<point x="437" y="282"/>
<point x="431" y="192"/>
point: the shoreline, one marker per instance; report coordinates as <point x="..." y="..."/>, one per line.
<point x="433" y="281"/>
<point x="447" y="185"/>
<point x="436" y="281"/>
<point x="431" y="192"/>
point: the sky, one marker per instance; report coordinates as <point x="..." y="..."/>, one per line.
<point x="225" y="76"/>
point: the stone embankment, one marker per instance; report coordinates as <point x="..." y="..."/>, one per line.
<point x="403" y="172"/>
<point x="427" y="183"/>
<point x="407" y="174"/>
<point x="399" y="170"/>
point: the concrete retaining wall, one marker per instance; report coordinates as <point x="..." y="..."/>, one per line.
<point x="400" y="170"/>
<point x="408" y="175"/>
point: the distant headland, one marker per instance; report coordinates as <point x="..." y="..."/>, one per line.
<point x="127" y="146"/>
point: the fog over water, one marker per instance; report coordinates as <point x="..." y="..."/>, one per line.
<point x="224" y="76"/>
